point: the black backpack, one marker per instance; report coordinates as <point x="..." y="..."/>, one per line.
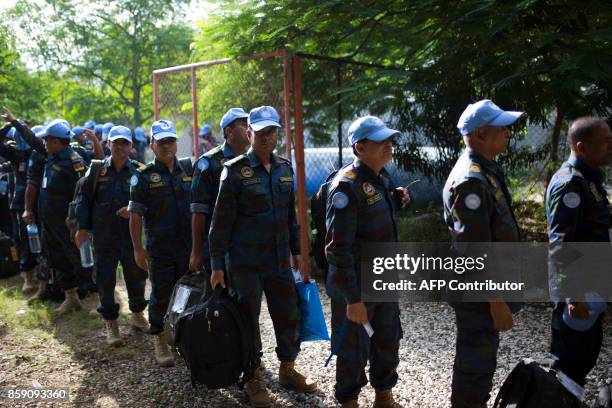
<point x="531" y="385"/>
<point x="216" y="340"/>
<point x="188" y="291"/>
<point x="9" y="257"/>
<point x="86" y="183"/>
<point x="318" y="208"/>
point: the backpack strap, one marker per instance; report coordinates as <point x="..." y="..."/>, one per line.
<point x="92" y="180"/>
<point x="186" y="165"/>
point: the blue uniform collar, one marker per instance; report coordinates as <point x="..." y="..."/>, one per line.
<point x="62" y="154"/>
<point x="227" y="150"/>
<point x="161" y="167"/>
<point x="109" y="162"/>
<point x="367" y="172"/>
<point x="490" y="165"/>
<point x="255" y="161"/>
<point x="591" y="173"/>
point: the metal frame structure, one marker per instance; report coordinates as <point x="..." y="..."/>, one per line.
<point x="292" y="71"/>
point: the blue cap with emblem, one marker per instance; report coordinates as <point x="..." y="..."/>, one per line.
<point x="232" y="115"/>
<point x="105" y="129"/>
<point x="262" y="117"/>
<point x="162" y="129"/>
<point x="205" y="130"/>
<point x="90" y="124"/>
<point x="483" y="113"/>
<point x="57" y="128"/>
<point x="78" y="130"/>
<point x="369" y="128"/>
<point x="120" y="132"/>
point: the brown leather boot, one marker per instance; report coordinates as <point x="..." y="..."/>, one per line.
<point x="40" y="293"/>
<point x="163" y="356"/>
<point x="29" y="281"/>
<point x="139" y="322"/>
<point x="350" y="404"/>
<point x="289" y="378"/>
<point x="257" y="391"/>
<point x="112" y="333"/>
<point x="384" y="399"/>
<point x="93" y="299"/>
<point x="71" y="303"/>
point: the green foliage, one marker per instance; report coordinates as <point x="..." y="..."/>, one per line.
<point x="538" y="56"/>
<point x="102" y="54"/>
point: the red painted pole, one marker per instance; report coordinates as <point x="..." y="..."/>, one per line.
<point x="194" y="111"/>
<point x="300" y="167"/>
<point x="287" y="107"/>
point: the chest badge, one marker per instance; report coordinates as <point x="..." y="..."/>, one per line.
<point x="155" y="178"/>
<point x="368" y="189"/>
<point x="247" y="172"/>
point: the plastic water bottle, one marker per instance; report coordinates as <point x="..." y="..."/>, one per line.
<point x="33" y="238"/>
<point x="87" y="258"/>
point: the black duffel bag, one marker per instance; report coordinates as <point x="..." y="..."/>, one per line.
<point x="216" y="339"/>
<point x="531" y="385"/>
<point x="189" y="290"/>
<point x="9" y="257"/>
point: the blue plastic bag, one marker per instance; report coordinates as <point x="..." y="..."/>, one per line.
<point x="312" y="321"/>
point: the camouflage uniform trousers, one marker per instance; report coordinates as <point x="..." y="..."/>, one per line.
<point x="282" y="300"/>
<point x="475" y="356"/>
<point x="356" y="349"/>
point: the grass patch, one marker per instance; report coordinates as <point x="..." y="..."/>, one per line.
<point x="17" y="315"/>
<point x="424" y="227"/>
<point x="79" y="323"/>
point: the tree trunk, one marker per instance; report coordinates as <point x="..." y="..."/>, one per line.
<point x="554" y="147"/>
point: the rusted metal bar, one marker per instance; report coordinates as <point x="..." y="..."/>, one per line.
<point x="287" y="107"/>
<point x="186" y="67"/>
<point x="300" y="167"/>
<point x="155" y="97"/>
<point x="194" y="111"/>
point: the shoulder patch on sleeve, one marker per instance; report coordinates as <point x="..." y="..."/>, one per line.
<point x="203" y="164"/>
<point x="571" y="199"/>
<point x="134" y="181"/>
<point x="472" y="201"/>
<point x="340" y="200"/>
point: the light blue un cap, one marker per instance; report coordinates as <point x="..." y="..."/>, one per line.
<point x="105" y="129"/>
<point x="98" y="129"/>
<point x="204" y="130"/>
<point x="120" y="132"/>
<point x="596" y="307"/>
<point x="90" y="124"/>
<point x="37" y="129"/>
<point x="139" y="134"/>
<point x="232" y="115"/>
<point x="162" y="129"/>
<point x="483" y="113"/>
<point x="262" y="117"/>
<point x="78" y="130"/>
<point x="57" y="128"/>
<point x="370" y="128"/>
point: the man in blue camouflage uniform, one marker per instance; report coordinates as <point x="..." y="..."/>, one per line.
<point x="577" y="210"/>
<point x="62" y="168"/>
<point x="102" y="209"/>
<point x="478" y="208"/>
<point x="18" y="154"/>
<point x="205" y="184"/>
<point x="254" y="228"/>
<point x="86" y="144"/>
<point x="161" y="194"/>
<point x="361" y="208"/>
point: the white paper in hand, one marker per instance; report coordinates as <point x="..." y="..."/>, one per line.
<point x="368" y="328"/>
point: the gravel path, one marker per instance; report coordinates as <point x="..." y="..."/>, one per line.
<point x="100" y="376"/>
